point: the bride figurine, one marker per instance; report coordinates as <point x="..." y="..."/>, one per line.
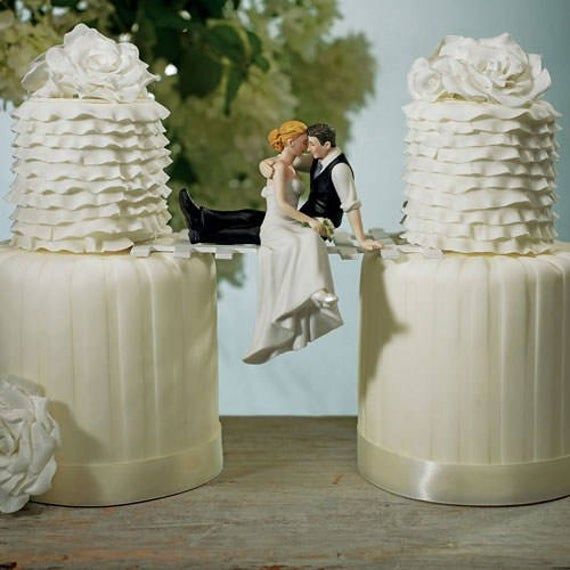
<point x="296" y="298"/>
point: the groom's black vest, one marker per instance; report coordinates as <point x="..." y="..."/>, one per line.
<point x="323" y="200"/>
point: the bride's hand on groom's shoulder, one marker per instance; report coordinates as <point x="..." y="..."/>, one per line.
<point x="266" y="167"/>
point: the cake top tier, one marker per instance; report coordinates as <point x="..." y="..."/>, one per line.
<point x="89" y="65"/>
<point x="490" y="70"/>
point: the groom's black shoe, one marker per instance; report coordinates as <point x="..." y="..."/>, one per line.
<point x="193" y="215"/>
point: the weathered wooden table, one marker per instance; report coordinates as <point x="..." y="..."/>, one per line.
<point x="289" y="497"/>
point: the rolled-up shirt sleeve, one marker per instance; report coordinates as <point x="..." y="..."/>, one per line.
<point x="345" y="187"/>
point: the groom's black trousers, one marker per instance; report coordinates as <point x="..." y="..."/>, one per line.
<point x="230" y="227"/>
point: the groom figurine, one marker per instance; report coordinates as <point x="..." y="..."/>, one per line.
<point x="332" y="193"/>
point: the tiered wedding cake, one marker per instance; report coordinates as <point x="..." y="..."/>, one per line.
<point x="124" y="347"/>
<point x="464" y="366"/>
<point x="480" y="146"/>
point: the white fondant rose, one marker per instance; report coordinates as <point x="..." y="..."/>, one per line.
<point x="88" y="64"/>
<point x="424" y="81"/>
<point x="28" y="439"/>
<point x="492" y="69"/>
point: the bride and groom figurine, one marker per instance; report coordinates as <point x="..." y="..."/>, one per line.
<point x="296" y="297"/>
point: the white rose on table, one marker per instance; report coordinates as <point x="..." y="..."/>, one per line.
<point x="28" y="439"/>
<point x="495" y="70"/>
<point x="88" y="64"/>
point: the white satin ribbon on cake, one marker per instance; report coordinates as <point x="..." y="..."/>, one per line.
<point x="464" y="484"/>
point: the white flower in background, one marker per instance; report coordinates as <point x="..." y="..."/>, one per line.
<point x="492" y="69"/>
<point x="7" y="20"/>
<point x="20" y="43"/>
<point x="28" y="439"/>
<point x="88" y="64"/>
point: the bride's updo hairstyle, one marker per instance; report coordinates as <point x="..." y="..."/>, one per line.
<point x="287" y="131"/>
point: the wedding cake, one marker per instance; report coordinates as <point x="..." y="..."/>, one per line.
<point x="123" y="347"/>
<point x="89" y="170"/>
<point x="464" y="391"/>
<point x="480" y="146"/>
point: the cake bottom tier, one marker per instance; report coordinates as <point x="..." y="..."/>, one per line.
<point x="463" y="484"/>
<point x="131" y="481"/>
<point x="464" y="382"/>
<point x="125" y="349"/>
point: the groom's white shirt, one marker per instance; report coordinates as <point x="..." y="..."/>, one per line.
<point x="343" y="181"/>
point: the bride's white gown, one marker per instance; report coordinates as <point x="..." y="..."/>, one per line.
<point x="293" y="264"/>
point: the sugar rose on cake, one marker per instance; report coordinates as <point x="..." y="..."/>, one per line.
<point x="489" y="69"/>
<point x="88" y="64"/>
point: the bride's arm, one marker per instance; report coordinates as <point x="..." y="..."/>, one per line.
<point x="280" y="182"/>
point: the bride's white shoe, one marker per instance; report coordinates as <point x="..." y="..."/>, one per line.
<point x="323" y="299"/>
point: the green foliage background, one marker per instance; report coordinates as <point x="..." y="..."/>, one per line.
<point x="231" y="71"/>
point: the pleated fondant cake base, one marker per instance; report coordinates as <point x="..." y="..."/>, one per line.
<point x="464" y="391"/>
<point x="126" y="351"/>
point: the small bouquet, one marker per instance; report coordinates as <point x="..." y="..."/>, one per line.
<point x="329" y="228"/>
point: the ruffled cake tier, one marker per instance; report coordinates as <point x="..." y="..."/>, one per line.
<point x="89" y="175"/>
<point x="480" y="178"/>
